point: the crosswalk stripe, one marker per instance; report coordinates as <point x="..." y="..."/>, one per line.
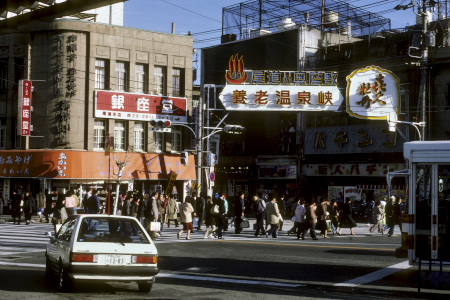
<point x="33" y="234"/>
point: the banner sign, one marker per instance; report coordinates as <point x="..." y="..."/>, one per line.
<point x="169" y="189"/>
<point x="24" y="117"/>
<point x="265" y="90"/>
<point x="141" y="107"/>
<point x="356" y="169"/>
<point x="372" y="93"/>
<point x="69" y="164"/>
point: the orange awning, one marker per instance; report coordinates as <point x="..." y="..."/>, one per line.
<point x="72" y="164"/>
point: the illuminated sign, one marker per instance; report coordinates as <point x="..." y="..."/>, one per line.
<point x="372" y="93"/>
<point x="141" y="107"/>
<point x="24" y="117"/>
<point x="264" y="90"/>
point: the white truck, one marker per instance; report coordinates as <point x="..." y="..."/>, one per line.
<point x="426" y="223"/>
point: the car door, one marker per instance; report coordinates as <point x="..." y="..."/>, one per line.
<point x="59" y="246"/>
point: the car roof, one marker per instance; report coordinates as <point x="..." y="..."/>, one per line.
<point x="81" y="216"/>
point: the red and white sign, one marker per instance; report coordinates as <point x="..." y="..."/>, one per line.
<point x="24" y="118"/>
<point x="142" y="107"/>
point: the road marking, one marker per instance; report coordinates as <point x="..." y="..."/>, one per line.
<point x="228" y="280"/>
<point x="374" y="276"/>
<point x="334" y="246"/>
<point x="187" y="277"/>
<point x="21" y="264"/>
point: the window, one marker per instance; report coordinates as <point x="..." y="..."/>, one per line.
<point x="100" y="74"/>
<point x="176" y="141"/>
<point x="138" y="136"/>
<point x="177" y="82"/>
<point x="3" y="75"/>
<point x="122" y="76"/>
<point x="111" y="230"/>
<point x="119" y="135"/>
<point x="17" y="137"/>
<point x="160" y="80"/>
<point x="99" y="134"/>
<point x="141" y="78"/>
<point x="2" y="133"/>
<point x="158" y="139"/>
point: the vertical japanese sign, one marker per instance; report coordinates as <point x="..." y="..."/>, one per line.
<point x="169" y="189"/>
<point x="24" y="111"/>
<point x="372" y="93"/>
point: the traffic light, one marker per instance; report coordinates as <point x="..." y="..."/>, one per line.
<point x="212" y="159"/>
<point x="160" y="125"/>
<point x="234" y="129"/>
<point x="184" y="157"/>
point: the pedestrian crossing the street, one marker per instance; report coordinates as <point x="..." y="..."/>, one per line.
<point x="33" y="235"/>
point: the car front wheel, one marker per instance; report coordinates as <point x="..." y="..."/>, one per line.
<point x="145" y="286"/>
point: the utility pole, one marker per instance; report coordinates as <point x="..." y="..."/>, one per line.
<point x="424" y="67"/>
<point x="199" y="143"/>
<point x="421" y="9"/>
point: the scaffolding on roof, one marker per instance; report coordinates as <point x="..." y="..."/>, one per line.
<point x="326" y="15"/>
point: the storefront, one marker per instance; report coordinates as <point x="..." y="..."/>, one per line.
<point x="61" y="170"/>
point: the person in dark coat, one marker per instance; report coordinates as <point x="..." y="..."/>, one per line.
<point x="93" y="203"/>
<point x="221" y="219"/>
<point x="259" y="206"/>
<point x="16" y="212"/>
<point x="29" y="207"/>
<point x="126" y="206"/>
<point x="134" y="206"/>
<point x="239" y="207"/>
<point x="347" y="220"/>
<point x="323" y="214"/>
<point x="393" y="215"/>
<point x="200" y="209"/>
<point x="210" y="219"/>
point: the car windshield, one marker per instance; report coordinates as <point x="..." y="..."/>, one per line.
<point x="109" y="230"/>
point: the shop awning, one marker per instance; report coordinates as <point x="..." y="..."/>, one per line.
<point x="89" y="165"/>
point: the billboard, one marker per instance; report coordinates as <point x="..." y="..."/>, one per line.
<point x="24" y="111"/>
<point x="140" y="107"/>
<point x="372" y="93"/>
<point x="272" y="90"/>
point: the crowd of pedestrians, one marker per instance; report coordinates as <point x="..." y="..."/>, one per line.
<point x="216" y="213"/>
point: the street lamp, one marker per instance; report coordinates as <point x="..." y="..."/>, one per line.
<point x="392" y="121"/>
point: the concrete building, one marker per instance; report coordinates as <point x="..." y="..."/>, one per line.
<point x="315" y="154"/>
<point x="95" y="89"/>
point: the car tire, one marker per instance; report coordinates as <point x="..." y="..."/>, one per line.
<point x="48" y="269"/>
<point x="64" y="282"/>
<point x="145" y="286"/>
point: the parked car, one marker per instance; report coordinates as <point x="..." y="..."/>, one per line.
<point x="103" y="248"/>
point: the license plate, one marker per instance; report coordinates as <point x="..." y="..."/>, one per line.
<point x="111" y="259"/>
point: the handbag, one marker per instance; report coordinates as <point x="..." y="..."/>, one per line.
<point x="155" y="226"/>
<point x="215" y="209"/>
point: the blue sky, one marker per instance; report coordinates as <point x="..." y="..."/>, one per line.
<point x="201" y="16"/>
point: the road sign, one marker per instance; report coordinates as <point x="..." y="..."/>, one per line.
<point x="212" y="176"/>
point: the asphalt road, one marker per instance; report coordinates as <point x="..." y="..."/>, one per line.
<point x="341" y="267"/>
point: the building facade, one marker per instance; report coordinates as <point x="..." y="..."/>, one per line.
<point x="315" y="154"/>
<point x="95" y="90"/>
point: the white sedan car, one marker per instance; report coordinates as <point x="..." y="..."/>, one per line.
<point x="104" y="248"/>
